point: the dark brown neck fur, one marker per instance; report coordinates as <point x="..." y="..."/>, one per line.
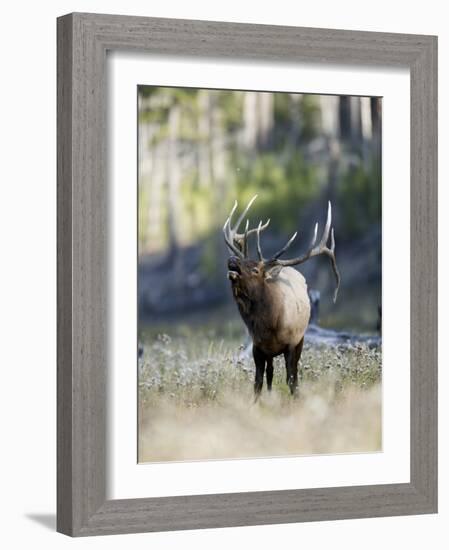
<point x="260" y="314"/>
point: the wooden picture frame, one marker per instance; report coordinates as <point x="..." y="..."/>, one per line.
<point x="83" y="40"/>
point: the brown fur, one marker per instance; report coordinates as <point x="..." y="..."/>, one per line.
<point x="274" y="304"/>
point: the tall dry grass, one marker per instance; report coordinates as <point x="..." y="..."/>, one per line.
<point x="196" y="402"/>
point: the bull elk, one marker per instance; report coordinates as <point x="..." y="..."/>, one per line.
<point x="272" y="297"/>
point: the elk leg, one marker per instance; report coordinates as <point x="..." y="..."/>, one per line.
<point x="299" y="351"/>
<point x="293" y="379"/>
<point x="259" y="360"/>
<point x="292" y="356"/>
<point x="292" y="369"/>
<point x="269" y="372"/>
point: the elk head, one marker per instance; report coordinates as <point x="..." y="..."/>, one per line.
<point x="249" y="276"/>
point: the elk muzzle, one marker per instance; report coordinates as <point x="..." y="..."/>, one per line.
<point x="234" y="270"/>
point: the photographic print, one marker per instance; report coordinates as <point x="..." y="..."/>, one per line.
<point x="259" y="274"/>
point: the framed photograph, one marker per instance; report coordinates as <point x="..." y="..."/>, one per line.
<point x="247" y="274"/>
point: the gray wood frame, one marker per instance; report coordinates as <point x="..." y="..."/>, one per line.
<point x="83" y="40"/>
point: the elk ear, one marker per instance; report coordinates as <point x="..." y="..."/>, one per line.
<point x="273" y="272"/>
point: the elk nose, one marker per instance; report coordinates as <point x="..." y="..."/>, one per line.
<point x="233" y="263"/>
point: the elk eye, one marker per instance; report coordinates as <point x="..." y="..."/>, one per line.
<point x="255" y="270"/>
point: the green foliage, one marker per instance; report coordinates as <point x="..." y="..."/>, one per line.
<point x="283" y="186"/>
<point x="209" y="264"/>
<point x="142" y="216"/>
<point x="231" y="105"/>
<point x="282" y="111"/>
<point x="360" y="197"/>
<point x="196" y="201"/>
<point x="304" y="111"/>
<point x="310" y="116"/>
<point x="225" y="152"/>
<point x="160" y="100"/>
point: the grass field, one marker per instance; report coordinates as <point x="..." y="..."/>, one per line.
<point x="196" y="399"/>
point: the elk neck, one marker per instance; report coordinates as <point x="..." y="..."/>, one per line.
<point x="259" y="313"/>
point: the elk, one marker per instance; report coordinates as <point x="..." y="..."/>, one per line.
<point x="272" y="296"/>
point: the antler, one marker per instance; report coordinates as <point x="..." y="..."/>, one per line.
<point x="320" y="248"/>
<point x="238" y="242"/>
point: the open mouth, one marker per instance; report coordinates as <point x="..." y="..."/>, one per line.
<point x="234" y="271"/>
<point x="233" y="275"/>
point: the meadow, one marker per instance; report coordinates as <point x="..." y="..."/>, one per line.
<point x="196" y="398"/>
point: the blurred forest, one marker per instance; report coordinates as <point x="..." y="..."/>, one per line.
<point x="199" y="150"/>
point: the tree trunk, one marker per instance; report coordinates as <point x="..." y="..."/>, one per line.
<point x="250" y="120"/>
<point x="154" y="239"/>
<point x="204" y="166"/>
<point x="366" y="118"/>
<point x="329" y="115"/>
<point x="173" y="196"/>
<point x="355" y="120"/>
<point x="295" y="128"/>
<point x="265" y="119"/>
<point x="344" y="114"/>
